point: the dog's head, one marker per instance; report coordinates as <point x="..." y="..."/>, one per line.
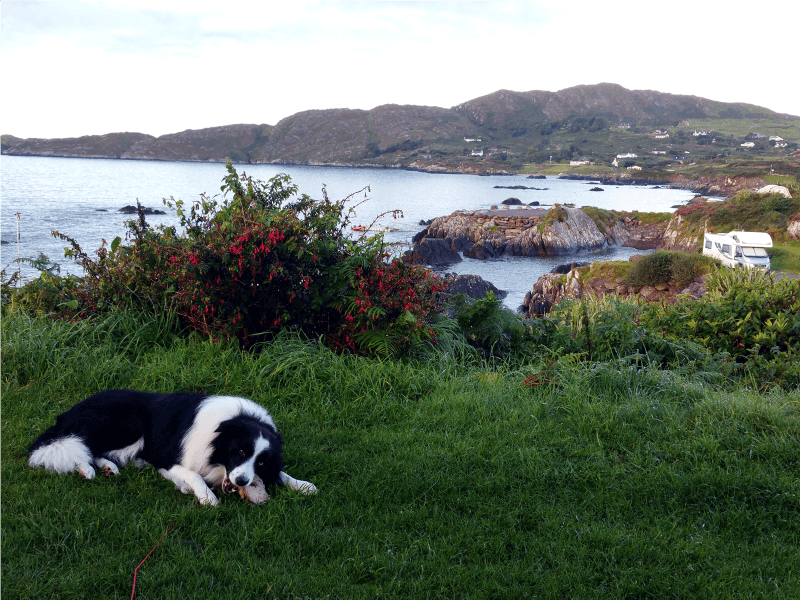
<point x="247" y="447"/>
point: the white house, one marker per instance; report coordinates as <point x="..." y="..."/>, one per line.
<point x="634" y="168"/>
<point x="578" y="163"/>
<point x="747" y="145"/>
<point x="466" y="139"/>
<point x="478" y="152"/>
<point x="627" y="155"/>
<point x="775" y="138"/>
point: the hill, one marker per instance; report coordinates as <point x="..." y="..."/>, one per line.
<point x="498" y="132"/>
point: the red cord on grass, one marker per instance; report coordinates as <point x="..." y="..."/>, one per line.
<point x="136" y="570"/>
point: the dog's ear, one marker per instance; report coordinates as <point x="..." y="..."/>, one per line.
<point x="231" y="429"/>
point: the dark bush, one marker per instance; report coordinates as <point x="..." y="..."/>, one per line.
<point x="662" y="267"/>
<point x="651" y="269"/>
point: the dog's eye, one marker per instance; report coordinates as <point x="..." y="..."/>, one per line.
<point x="242" y="453"/>
<point x="260" y="463"/>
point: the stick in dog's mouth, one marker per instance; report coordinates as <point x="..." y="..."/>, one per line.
<point x="255" y="493"/>
<point x="228" y="486"/>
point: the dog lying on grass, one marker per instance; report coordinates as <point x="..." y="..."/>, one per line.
<point x="197" y="441"/>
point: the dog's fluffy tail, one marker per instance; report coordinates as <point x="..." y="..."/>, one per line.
<point x="63" y="455"/>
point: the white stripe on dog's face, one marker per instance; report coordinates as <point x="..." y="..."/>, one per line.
<point x="244" y="473"/>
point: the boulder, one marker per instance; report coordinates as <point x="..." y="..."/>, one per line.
<point x="473" y="286"/>
<point x="793" y="229"/>
<point x="776" y="189"/>
<point x="433" y="252"/>
<point x="512" y="201"/>
<point x="596" y="189"/>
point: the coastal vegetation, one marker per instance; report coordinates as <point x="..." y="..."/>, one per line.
<point x="608" y="449"/>
<point x="745" y="211"/>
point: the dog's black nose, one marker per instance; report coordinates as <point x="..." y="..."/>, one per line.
<point x="241" y="481"/>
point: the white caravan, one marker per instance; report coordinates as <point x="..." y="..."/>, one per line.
<point x="739" y="248"/>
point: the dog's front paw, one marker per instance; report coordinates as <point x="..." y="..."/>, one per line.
<point x="306" y="487"/>
<point x="208" y="498"/>
<point x="85" y="470"/>
<point x="108" y="467"/>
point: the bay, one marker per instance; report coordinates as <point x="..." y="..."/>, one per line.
<point x="82" y="197"/>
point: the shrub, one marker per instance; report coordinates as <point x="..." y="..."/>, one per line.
<point x="663" y="267"/>
<point x="261" y="260"/>
<point x="489" y="328"/>
<point x="746" y="314"/>
<point x="651" y="269"/>
<point x="388" y="308"/>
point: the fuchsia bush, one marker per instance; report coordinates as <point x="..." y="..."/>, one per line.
<point x="259" y="260"/>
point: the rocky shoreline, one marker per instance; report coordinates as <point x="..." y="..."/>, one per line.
<point x="528" y="231"/>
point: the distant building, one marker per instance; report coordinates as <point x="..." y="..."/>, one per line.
<point x="466" y="139"/>
<point x="747" y="145"/>
<point x="478" y="152"/>
<point x="775" y="138"/>
<point x="578" y="163"/>
<point x="659" y="151"/>
<point x="634" y="168"/>
<point x="624" y="125"/>
<point x="628" y="155"/>
<point x="699" y="132"/>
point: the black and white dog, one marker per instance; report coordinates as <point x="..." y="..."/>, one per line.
<point x="196" y="441"/>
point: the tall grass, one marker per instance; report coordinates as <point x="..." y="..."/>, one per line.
<point x="594" y="480"/>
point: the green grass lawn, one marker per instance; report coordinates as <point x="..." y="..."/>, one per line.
<point x="786" y="257"/>
<point x="436" y="480"/>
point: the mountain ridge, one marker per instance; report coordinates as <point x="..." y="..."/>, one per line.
<point x="492" y="133"/>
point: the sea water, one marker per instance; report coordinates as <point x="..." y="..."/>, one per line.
<point x="81" y="198"/>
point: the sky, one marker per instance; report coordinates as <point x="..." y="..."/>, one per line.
<point x="70" y="68"/>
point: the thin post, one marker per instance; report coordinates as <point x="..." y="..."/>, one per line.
<point x="19" y="267"/>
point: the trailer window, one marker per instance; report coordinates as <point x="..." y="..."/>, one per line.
<point x="758" y="252"/>
<point x="708" y="243"/>
<point x="726" y="248"/>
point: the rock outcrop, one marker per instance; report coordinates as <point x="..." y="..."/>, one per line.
<point x="552" y="288"/>
<point x="526" y="231"/>
<point x="132" y="210"/>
